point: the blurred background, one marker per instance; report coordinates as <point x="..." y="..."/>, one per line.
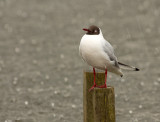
<point x="41" y="72"/>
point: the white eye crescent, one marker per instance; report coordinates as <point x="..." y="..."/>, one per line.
<point x="95" y="31"/>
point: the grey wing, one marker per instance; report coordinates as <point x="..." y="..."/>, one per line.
<point x="108" y="49"/>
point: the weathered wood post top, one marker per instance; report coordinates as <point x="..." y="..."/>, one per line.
<point x="98" y="104"/>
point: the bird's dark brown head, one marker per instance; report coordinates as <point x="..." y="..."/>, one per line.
<point x="92" y="30"/>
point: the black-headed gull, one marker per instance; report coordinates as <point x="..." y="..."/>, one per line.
<point x="99" y="53"/>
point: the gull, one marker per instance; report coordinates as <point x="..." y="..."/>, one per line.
<point x="99" y="53"/>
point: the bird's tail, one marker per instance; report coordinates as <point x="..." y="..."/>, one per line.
<point x="127" y="67"/>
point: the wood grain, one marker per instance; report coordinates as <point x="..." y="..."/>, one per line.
<point x="99" y="104"/>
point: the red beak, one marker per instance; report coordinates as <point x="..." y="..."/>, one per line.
<point x="86" y="29"/>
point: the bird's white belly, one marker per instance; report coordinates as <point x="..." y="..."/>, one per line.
<point x="95" y="60"/>
<point x="93" y="54"/>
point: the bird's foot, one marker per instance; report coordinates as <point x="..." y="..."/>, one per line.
<point x="92" y="87"/>
<point x="103" y="86"/>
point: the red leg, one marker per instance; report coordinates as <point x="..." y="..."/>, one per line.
<point x="94" y="72"/>
<point x="105" y="85"/>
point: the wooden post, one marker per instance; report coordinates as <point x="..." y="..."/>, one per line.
<point x="99" y="104"/>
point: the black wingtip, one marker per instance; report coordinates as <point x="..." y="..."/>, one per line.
<point x="136" y="69"/>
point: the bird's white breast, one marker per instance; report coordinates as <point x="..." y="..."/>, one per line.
<point x="91" y="50"/>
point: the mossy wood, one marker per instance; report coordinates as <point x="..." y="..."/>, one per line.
<point x="99" y="104"/>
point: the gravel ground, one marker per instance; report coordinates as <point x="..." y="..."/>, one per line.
<point x="40" y="68"/>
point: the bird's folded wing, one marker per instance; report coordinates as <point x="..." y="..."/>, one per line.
<point x="127" y="67"/>
<point x="108" y="49"/>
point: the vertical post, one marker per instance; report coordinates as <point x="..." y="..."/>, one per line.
<point x="99" y="104"/>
